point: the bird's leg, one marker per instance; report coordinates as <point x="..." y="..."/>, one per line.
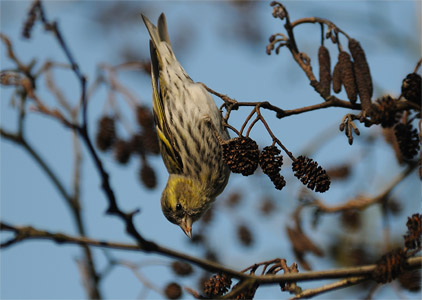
<point x="210" y="125"/>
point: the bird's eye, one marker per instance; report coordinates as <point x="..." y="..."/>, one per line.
<point x="178" y="206"/>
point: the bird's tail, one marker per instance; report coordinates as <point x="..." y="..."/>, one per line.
<point x="158" y="34"/>
<point x="161" y="51"/>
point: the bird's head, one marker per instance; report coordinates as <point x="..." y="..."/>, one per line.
<point x="184" y="201"/>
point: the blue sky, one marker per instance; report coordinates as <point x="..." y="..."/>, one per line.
<point x="389" y="31"/>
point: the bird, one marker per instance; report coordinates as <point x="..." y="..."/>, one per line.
<point x="190" y="131"/>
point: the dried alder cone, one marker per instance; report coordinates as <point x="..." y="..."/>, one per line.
<point x="411" y="88"/>
<point x="271" y="161"/>
<point x="122" y="151"/>
<point x="144" y="117"/>
<point x="411" y="280"/>
<point x="147" y="176"/>
<point x="150" y="141"/>
<point x="137" y="143"/>
<point x="340" y="172"/>
<point x="408" y="140"/>
<point x="106" y="134"/>
<point x="310" y="174"/>
<point x="244" y="235"/>
<point x="241" y="155"/>
<point x="140" y="143"/>
<point x="181" y="268"/>
<point x="217" y="285"/>
<point x="413" y="237"/>
<point x="384" y="111"/>
<point x="173" y="291"/>
<point x="149" y="136"/>
<point x="324" y="70"/>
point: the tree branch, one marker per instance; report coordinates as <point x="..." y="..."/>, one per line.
<point x="28" y="232"/>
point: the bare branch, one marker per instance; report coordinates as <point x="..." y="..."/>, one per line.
<point x="29" y="232"/>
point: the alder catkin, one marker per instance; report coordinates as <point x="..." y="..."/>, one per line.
<point x="362" y="73"/>
<point x="348" y="76"/>
<point x="324" y="70"/>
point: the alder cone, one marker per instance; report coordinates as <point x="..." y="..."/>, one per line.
<point x="411" y="88"/>
<point x="241" y="155"/>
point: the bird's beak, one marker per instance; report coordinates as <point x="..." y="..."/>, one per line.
<point x="186" y="226"/>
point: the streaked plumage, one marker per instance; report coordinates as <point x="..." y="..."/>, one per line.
<point x="189" y="127"/>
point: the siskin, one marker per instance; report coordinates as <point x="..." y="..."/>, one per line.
<point x="190" y="131"/>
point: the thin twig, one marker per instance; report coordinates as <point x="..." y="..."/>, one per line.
<point x="251" y="126"/>
<point x="246" y="122"/>
<point x="58" y="94"/>
<point x="275" y="139"/>
<point x="11" y="54"/>
<point x="117" y="86"/>
<point x="320" y="21"/>
<point x="24" y="233"/>
<point x="417" y="65"/>
<point x="135" y="269"/>
<point x="330" y="287"/>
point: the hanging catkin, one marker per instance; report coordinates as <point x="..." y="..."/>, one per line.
<point x="337" y="78"/>
<point x="362" y="73"/>
<point x="348" y="76"/>
<point x="324" y="70"/>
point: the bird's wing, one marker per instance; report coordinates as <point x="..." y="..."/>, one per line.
<point x="170" y="154"/>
